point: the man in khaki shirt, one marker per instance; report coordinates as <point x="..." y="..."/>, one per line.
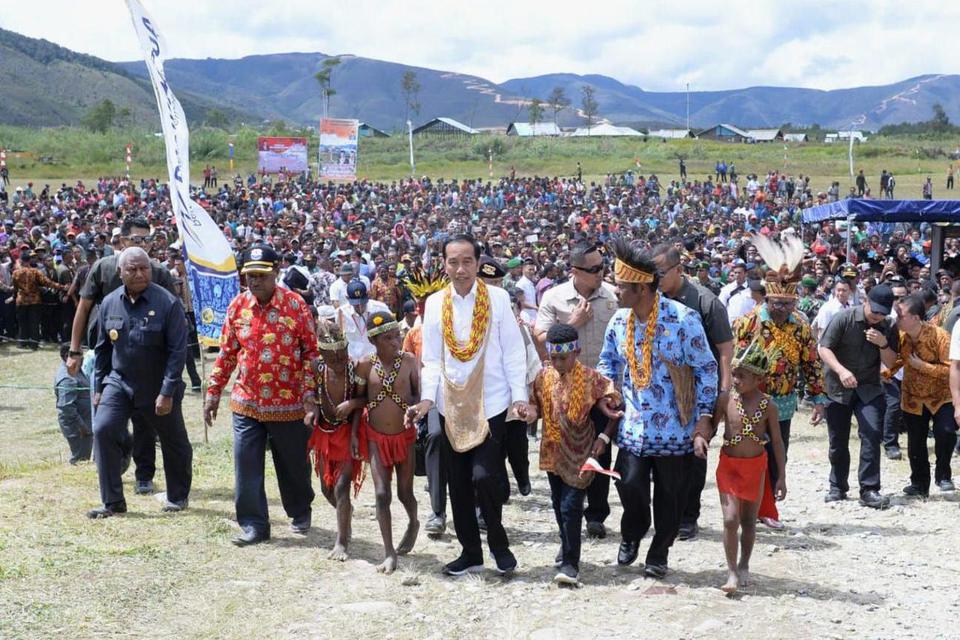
<point x="587" y="303"/>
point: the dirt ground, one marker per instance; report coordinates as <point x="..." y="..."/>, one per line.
<point x="837" y="571"/>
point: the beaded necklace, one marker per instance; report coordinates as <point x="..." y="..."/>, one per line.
<point x="324" y="386"/>
<point x="748" y="423"/>
<point x="386" y="382"/>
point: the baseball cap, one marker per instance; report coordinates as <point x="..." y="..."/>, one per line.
<point x="881" y="299"/>
<point x="357" y="292"/>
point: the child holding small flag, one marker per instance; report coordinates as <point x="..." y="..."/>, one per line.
<point x="570" y="396"/>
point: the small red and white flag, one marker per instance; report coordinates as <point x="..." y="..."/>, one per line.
<point x="592" y="465"/>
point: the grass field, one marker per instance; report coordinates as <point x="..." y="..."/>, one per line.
<point x="73" y="153"/>
<point x="838" y="571"/>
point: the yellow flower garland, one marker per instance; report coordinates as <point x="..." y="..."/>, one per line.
<point x="640" y="374"/>
<point x="478" y="327"/>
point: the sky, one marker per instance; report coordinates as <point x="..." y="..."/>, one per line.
<point x="658" y="46"/>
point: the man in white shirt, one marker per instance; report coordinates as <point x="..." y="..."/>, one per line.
<point x="744" y="302"/>
<point x="528" y="310"/>
<point x="352" y="319"/>
<point x="735" y="286"/>
<point x="474" y="370"/>
<point x="830" y="308"/>
<point x="338" y="290"/>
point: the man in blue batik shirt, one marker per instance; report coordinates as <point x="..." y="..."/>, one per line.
<point x="653" y="437"/>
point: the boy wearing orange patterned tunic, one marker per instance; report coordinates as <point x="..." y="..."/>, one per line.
<point x="570" y="397"/>
<point x="338" y="449"/>
<point x="393" y="379"/>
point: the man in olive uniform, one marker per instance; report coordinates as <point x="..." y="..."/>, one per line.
<point x="140" y="351"/>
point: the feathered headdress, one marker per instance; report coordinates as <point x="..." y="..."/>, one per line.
<point x="782" y="260"/>
<point x="329" y="336"/>
<point x="752" y="358"/>
<point x="422" y="282"/>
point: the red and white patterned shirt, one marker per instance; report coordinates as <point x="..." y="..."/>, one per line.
<point x="274" y="345"/>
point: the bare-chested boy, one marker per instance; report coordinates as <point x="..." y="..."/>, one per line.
<point x="339" y="448"/>
<point x="393" y="381"/>
<point x="750" y="418"/>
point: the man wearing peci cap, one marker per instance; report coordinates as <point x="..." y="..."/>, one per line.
<point x="269" y="335"/>
<point x="850" y="349"/>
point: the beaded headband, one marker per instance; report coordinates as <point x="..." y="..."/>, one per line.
<point x="332" y="346"/>
<point x="382" y="328"/>
<point x="563" y="347"/>
<point x="626" y="273"/>
<point x="752" y="359"/>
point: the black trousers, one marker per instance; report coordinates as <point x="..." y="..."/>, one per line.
<point x="111" y="442"/>
<point x="669" y="489"/>
<point x="477" y="479"/>
<point x="28" y="321"/>
<point x="944" y="438"/>
<point x="598" y="501"/>
<point x="436" y="463"/>
<point x="870" y="428"/>
<point x="517" y="450"/>
<point x="193" y="349"/>
<point x="288" y="446"/>
<point x="568" y="509"/>
<point x="892" y="415"/>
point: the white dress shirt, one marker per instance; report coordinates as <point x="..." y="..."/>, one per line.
<point x="829" y="309"/>
<point x="338" y="290"/>
<point x="727" y="291"/>
<point x="354" y="328"/>
<point x="505" y="360"/>
<point x="739" y="305"/>
<point x="529" y="299"/>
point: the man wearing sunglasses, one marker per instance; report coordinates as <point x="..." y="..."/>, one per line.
<point x="586" y="302"/>
<point x="104" y="277"/>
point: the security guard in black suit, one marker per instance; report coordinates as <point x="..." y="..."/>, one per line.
<point x="140" y="353"/>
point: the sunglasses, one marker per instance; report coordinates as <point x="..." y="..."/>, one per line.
<point x="140" y="239"/>
<point x="782" y="304"/>
<point x="594" y="270"/>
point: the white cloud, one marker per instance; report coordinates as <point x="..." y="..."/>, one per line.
<point x="821" y="44"/>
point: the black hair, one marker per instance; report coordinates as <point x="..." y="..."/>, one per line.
<point x="927" y="293"/>
<point x="581" y="250"/>
<point x="64" y="350"/>
<point x="667" y="249"/>
<point x="383" y="317"/>
<point x="914" y="305"/>
<point x="634" y="256"/>
<point x="133" y="221"/>
<point x="561" y="333"/>
<point x="463" y="237"/>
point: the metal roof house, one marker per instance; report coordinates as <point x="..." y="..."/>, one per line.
<point x="366" y="130"/>
<point x="765" y="135"/>
<point x="796" y="137"/>
<point x="724" y="132"/>
<point x="670" y="134"/>
<point x="528" y="130"/>
<point x="604" y="129"/>
<point x="444" y="127"/>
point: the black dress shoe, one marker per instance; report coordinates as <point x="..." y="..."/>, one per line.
<point x="596" y="530"/>
<point x="835" y="495"/>
<point x="872" y="498"/>
<point x="107" y="511"/>
<point x="655" y="570"/>
<point x="688" y="531"/>
<point x="524" y="488"/>
<point x="250" y="536"/>
<point x="628" y="552"/>
<point x="301" y="525"/>
<point x="915" y="491"/>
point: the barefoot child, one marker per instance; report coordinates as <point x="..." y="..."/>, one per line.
<point x="393" y="380"/>
<point x="570" y="397"/>
<point x="751" y="418"/>
<point x="338" y="449"/>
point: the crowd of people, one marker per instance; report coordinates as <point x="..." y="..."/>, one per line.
<point x="435" y="323"/>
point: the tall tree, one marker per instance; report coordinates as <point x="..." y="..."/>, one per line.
<point x="410" y="87"/>
<point x="588" y="106"/>
<point x="325" y="78"/>
<point x="536" y="111"/>
<point x="940" y="121"/>
<point x="100" y="117"/>
<point x="558" y="101"/>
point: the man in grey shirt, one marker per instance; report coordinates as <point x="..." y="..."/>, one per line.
<point x="850" y="349"/>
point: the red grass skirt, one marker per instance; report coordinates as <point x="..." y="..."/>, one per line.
<point x="330" y="448"/>
<point x="392" y="449"/>
<point x="740" y="477"/>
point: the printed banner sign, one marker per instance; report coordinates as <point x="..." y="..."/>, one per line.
<point x="281" y="154"/>
<point x="338" y="149"/>
<point x="211" y="266"/>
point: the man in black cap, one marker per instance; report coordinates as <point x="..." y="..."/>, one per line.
<point x="491" y="271"/>
<point x="270" y="337"/>
<point x="850" y="349"/>
<point x="352" y="318"/>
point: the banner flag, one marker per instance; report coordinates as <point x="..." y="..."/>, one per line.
<point x="211" y="266"/>
<point x="338" y="148"/>
<point x="286" y="154"/>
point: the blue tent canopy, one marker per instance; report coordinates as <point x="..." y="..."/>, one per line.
<point x="886" y="211"/>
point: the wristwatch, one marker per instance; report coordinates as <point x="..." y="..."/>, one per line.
<point x="78" y="354"/>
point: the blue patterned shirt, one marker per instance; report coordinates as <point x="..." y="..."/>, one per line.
<point x="651" y="423"/>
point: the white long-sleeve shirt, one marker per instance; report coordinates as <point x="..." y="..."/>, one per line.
<point x="505" y="361"/>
